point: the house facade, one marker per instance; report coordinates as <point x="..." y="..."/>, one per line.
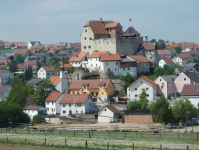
<point x="33" y="43"/>
<point x="46" y="72"/>
<point x="34" y="110"/>
<point x="4" y="76"/>
<point x="165" y="61"/>
<point x="100" y="90"/>
<point x="80" y="59"/>
<point x="135" y="89"/>
<point x="22" y="68"/>
<point x="182" y="59"/>
<point x="127" y="66"/>
<point x="165" y="53"/>
<point x="75" y="104"/>
<point x="4" y="91"/>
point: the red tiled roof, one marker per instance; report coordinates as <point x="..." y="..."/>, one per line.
<point x="77" y="84"/>
<point x="77" y="45"/>
<point x="149" y="46"/>
<point x="35" y="68"/>
<point x="32" y="107"/>
<point x="1" y="77"/>
<point x="110" y="57"/>
<point x="68" y="66"/>
<point x="168" y="60"/>
<point x="1" y="44"/>
<point x="55" y="80"/>
<point x="139" y="58"/>
<point x="21" y="51"/>
<point x="149" y="80"/>
<point x="111" y="25"/>
<point x="20" y="44"/>
<point x="182" y="55"/>
<point x="164" y="52"/>
<point x="53" y="96"/>
<point x="74" y="98"/>
<point x="79" y="57"/>
<point x="97" y="54"/>
<point x="48" y="68"/>
<point x="38" y="47"/>
<point x="111" y="108"/>
<point x="174" y="45"/>
<point x="75" y="53"/>
<point x="22" y="66"/>
<point x="30" y="63"/>
<point x="190" y="89"/>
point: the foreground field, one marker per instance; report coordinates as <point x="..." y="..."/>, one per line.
<point x="99" y="142"/>
<point x="6" y="51"/>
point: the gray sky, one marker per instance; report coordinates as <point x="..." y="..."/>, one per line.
<point x="51" y="21"/>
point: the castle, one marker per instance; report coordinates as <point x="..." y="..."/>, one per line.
<point x="109" y="36"/>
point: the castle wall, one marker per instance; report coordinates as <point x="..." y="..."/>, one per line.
<point x="151" y="55"/>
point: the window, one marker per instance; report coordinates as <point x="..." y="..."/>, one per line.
<point x="147" y="89"/>
<point x="69" y="105"/>
<point x="85" y="30"/>
<point x="168" y="87"/>
<point x="116" y="63"/>
<point x="136" y="95"/>
<point x="110" y="86"/>
<point x="185" y="79"/>
<point x="106" y="63"/>
<point x="96" y="59"/>
<point x="109" y="93"/>
<point x="108" y="69"/>
<point x="89" y="47"/>
<point x="147" y="95"/>
<point x="48" y="73"/>
<point x="78" y="93"/>
<point x="64" y="112"/>
<point x="64" y="105"/>
<point x="161" y="87"/>
<point x="141" y="81"/>
<point x="118" y="32"/>
<point x="173" y="86"/>
<point x="90" y="38"/>
<point x="124" y="69"/>
<point x="100" y="87"/>
<point x="128" y="68"/>
<point x="47" y="103"/>
<point x="53" y="73"/>
<point x="73" y="92"/>
<point x="84" y="47"/>
<point x="104" y="109"/>
<point x="129" y="95"/>
<point x="146" y="64"/>
<point x="135" y="89"/>
<point x="160" y="79"/>
<point x="76" y="111"/>
<point x="85" y="92"/>
<point x="43" y="73"/>
<point x="48" y="109"/>
<point x="102" y="93"/>
<point x="52" y="103"/>
<point x="115" y="69"/>
<point x="79" y="105"/>
<point x="90" y="104"/>
<point x="85" y="38"/>
<point x="91" y="65"/>
<point x="84" y="87"/>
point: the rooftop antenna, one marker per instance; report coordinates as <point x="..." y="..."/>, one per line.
<point x="129" y="21"/>
<point x="146" y="38"/>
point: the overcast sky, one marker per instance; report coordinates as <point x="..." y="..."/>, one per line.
<point x="51" y="21"/>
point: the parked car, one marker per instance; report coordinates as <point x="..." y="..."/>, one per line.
<point x="194" y="121"/>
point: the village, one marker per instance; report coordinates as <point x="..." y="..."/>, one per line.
<point x="113" y="82"/>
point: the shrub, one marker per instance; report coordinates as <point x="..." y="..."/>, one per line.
<point x="38" y="119"/>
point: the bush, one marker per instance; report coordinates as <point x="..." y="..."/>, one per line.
<point x="38" y="119"/>
<point x="24" y="118"/>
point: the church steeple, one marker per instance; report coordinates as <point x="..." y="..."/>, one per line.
<point x="62" y="72"/>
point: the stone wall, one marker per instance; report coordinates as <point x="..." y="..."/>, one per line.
<point x="143" y="67"/>
<point x="118" y="84"/>
<point x="151" y="55"/>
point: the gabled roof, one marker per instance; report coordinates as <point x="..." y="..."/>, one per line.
<point x="110" y="57"/>
<point x="2" y="71"/>
<point x="53" y="96"/>
<point x="77" y="45"/>
<point x="38" y="47"/>
<point x="3" y="88"/>
<point x="139" y="58"/>
<point x="68" y="66"/>
<point x="30" y="63"/>
<point x="167" y="60"/>
<point x="97" y="54"/>
<point x="182" y="55"/>
<point x="174" y="45"/>
<point x="164" y="52"/>
<point x="169" y="78"/>
<point x="21" y="51"/>
<point x="78" y="57"/>
<point x="55" y="80"/>
<point x="74" y="98"/>
<point x="77" y="84"/>
<point x="145" y="78"/>
<point x="20" y="44"/>
<point x="172" y="50"/>
<point x="32" y="107"/>
<point x="34" y="81"/>
<point x="149" y="46"/>
<point x="189" y="69"/>
<point x="22" y="66"/>
<point x="111" y="108"/>
<point x="131" y="32"/>
<point x="190" y="90"/>
<point x="111" y="25"/>
<point x="30" y="100"/>
<point x="193" y="76"/>
<point x="48" y="68"/>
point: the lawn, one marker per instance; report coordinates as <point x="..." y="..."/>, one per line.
<point x="96" y="141"/>
<point x="6" y="51"/>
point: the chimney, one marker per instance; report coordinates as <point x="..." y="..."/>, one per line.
<point x="100" y="19"/>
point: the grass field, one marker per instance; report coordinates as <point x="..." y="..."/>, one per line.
<point x="116" y="140"/>
<point x="5" y="51"/>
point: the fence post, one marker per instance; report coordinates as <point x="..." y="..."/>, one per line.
<point x="25" y="140"/>
<point x="60" y="131"/>
<point x="133" y="146"/>
<point x="107" y="145"/>
<point x="65" y="142"/>
<point x="178" y="129"/>
<point x="45" y="141"/>
<point x="160" y="146"/>
<point x="197" y="136"/>
<point x="92" y="133"/>
<point x="86" y="143"/>
<point x="74" y="133"/>
<point x="89" y="135"/>
<point x="15" y="130"/>
<point x="187" y="147"/>
<point x="160" y="135"/>
<point x="7" y="139"/>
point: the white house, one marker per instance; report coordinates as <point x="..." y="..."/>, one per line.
<point x="135" y="89"/>
<point x="165" y="53"/>
<point x="34" y="110"/>
<point x="22" y="68"/>
<point x="182" y="59"/>
<point x="52" y="103"/>
<point x="60" y="82"/>
<point x="4" y="91"/>
<point x="4" y="76"/>
<point x="33" y="43"/>
<point x="75" y="104"/>
<point x="80" y="59"/>
<point x="108" y="114"/>
<point x="110" y="62"/>
<point x="46" y="72"/>
<point x="127" y="66"/>
<point x="93" y="60"/>
<point x="165" y="61"/>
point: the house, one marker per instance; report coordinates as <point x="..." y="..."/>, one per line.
<point x="166" y="86"/>
<point x="30" y="100"/>
<point x="80" y="59"/>
<point x="186" y="78"/>
<point x="173" y="51"/>
<point x="33" y="43"/>
<point x="110" y="63"/>
<point x="182" y="59"/>
<point x="189" y="47"/>
<point x="35" y="49"/>
<point x="143" y="64"/>
<point x="61" y="44"/>
<point x="76" y="104"/>
<point x="22" y="68"/>
<point x="67" y="68"/>
<point x="135" y="88"/>
<point x="34" y="110"/>
<point x="22" y="51"/>
<point x="165" y="53"/>
<point x="31" y="63"/>
<point x="193" y="54"/>
<point x="35" y="71"/>
<point x="4" y="63"/>
<point x="165" y="61"/>
<point x="108" y="114"/>
<point x="93" y="60"/>
<point x="109" y="36"/>
<point x="4" y="91"/>
<point x="190" y="69"/>
<point x="46" y="72"/>
<point x="19" y="45"/>
<point x="34" y="82"/>
<point x="52" y="103"/>
<point x="100" y="90"/>
<point x="76" y="45"/>
<point x="127" y="66"/>
<point x="60" y="82"/>
<point x="4" y="76"/>
<point x="195" y="65"/>
<point x="168" y="44"/>
<point x="172" y="45"/>
<point x="191" y="91"/>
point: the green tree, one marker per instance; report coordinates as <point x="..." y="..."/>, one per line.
<point x="195" y="60"/>
<point x="183" y="110"/>
<point x="57" y="71"/>
<point x="72" y="70"/>
<point x="178" y="67"/>
<point x="152" y="41"/>
<point x="161" y="44"/>
<point x="13" y="66"/>
<point x="38" y="119"/>
<point x="178" y="49"/>
<point x="30" y="72"/>
<point x="189" y="61"/>
<point x="19" y="58"/>
<point x="143" y="99"/>
<point x="161" y="112"/>
<point x="65" y="60"/>
<point x="38" y="63"/>
<point x="42" y="92"/>
<point x="134" y="105"/>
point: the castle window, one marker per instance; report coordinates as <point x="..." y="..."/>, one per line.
<point x="85" y="30"/>
<point x="106" y="63"/>
<point x="118" y="32"/>
<point x="85" y="38"/>
<point x="116" y="63"/>
<point x="89" y="46"/>
<point x="128" y="68"/>
<point x="84" y="47"/>
<point x="90" y="38"/>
